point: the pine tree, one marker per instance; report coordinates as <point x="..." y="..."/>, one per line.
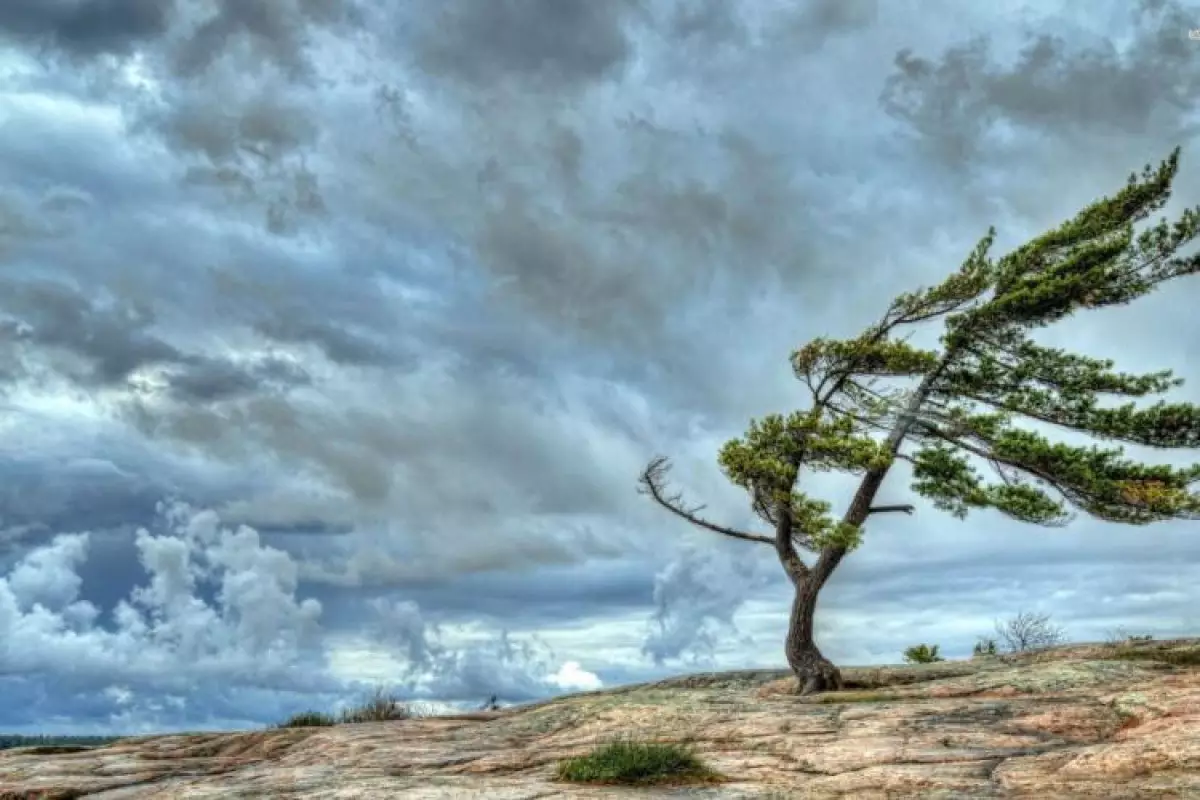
<point x="952" y="411"/>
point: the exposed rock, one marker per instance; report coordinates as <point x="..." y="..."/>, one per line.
<point x="1078" y="722"/>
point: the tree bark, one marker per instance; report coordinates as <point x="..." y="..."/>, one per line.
<point x="814" y="673"/>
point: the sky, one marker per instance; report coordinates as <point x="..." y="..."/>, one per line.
<point x="334" y="334"/>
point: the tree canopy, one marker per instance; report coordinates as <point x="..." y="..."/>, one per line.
<point x="960" y="413"/>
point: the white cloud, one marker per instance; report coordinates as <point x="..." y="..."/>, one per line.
<point x="698" y="595"/>
<point x="572" y="677"/>
<point x="164" y="631"/>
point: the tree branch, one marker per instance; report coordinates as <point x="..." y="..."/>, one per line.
<point x="653" y="483"/>
<point x="1069" y="493"/>
<point x="860" y="506"/>
<point x="905" y="507"/>
<point x="785" y="547"/>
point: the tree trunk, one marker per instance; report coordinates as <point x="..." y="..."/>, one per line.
<point x="814" y="673"/>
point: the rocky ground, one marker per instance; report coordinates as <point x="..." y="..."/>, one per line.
<point x="1089" y="721"/>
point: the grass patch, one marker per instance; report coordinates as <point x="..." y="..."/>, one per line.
<point x="625" y="761"/>
<point x="308" y="719"/>
<point x="1187" y="657"/>
<point x="381" y="706"/>
<point x="922" y="654"/>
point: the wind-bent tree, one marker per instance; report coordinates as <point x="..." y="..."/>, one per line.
<point x="948" y="412"/>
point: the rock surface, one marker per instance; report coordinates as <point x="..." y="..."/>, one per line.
<point x="1087" y="721"/>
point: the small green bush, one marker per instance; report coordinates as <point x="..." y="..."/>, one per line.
<point x="984" y="647"/>
<point x="630" y="762"/>
<point x="308" y="719"/>
<point x="922" y="654"/>
<point x="380" y="707"/>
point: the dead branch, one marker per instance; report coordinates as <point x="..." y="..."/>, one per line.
<point x="652" y="482"/>
<point x="905" y="507"/>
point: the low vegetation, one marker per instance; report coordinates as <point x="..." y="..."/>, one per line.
<point x="308" y="719"/>
<point x="1026" y="631"/>
<point x="1122" y="635"/>
<point x="76" y="742"/>
<point x="381" y="706"/>
<point x="629" y="762"/>
<point x="1029" y="631"/>
<point x="1185" y="657"/>
<point x="984" y="647"/>
<point x="922" y="654"/>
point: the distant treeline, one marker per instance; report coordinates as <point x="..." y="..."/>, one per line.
<point x="8" y="740"/>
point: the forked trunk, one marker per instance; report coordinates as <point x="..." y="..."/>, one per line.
<point x="814" y="673"/>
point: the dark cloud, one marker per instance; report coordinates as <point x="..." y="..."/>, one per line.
<point x="264" y="124"/>
<point x="558" y="43"/>
<point x="113" y="342"/>
<point x="106" y="343"/>
<point x="261" y="32"/>
<point x="204" y="380"/>
<point x="86" y="28"/>
<point x="250" y="146"/>
<point x="814" y="21"/>
<point x="553" y="595"/>
<point x="1054" y="86"/>
<point x="659" y="227"/>
<point x="398" y="454"/>
<point x="46" y="496"/>
<point x="706" y="21"/>
<point x="336" y="342"/>
<point x="256" y="32"/>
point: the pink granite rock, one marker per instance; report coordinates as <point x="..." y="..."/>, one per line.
<point x="1077" y="722"/>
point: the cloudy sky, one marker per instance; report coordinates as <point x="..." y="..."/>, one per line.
<point x="334" y="333"/>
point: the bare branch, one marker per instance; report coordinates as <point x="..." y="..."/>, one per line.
<point x="653" y="483"/>
<point x="905" y="507"/>
<point x="1030" y="631"/>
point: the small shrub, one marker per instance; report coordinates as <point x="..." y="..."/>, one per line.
<point x="630" y="762"/>
<point x="1029" y="631"/>
<point x="984" y="647"/>
<point x="1121" y="635"/>
<point x="308" y="719"/>
<point x="380" y="707"/>
<point x="922" y="654"/>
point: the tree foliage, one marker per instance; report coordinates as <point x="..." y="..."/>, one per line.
<point x="960" y="414"/>
<point x="922" y="654"/>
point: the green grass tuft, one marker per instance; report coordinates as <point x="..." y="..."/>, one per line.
<point x="922" y="654"/>
<point x="631" y="762"/>
<point x="308" y="719"/>
<point x="379" y="707"/>
<point x="1188" y="657"/>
